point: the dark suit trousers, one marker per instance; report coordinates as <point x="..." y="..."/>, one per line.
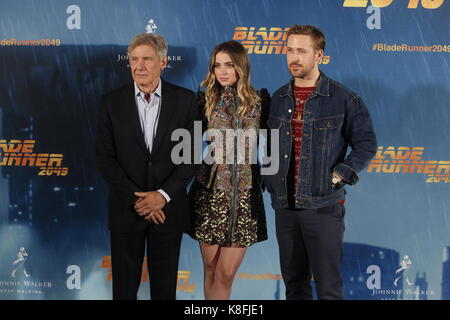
<point x="127" y="255"/>
<point x="311" y="243"/>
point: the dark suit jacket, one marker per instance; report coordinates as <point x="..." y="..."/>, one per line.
<point x="127" y="166"/>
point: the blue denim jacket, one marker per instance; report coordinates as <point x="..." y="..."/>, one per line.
<point x="334" y="118"/>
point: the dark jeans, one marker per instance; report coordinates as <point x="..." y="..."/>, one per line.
<point x="311" y="243"/>
<point x="127" y="255"/>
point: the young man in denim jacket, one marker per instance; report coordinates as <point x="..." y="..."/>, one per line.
<point x="318" y="119"/>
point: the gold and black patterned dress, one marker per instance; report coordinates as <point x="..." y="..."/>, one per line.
<point x="226" y="199"/>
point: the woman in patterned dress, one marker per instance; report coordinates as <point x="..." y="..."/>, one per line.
<point x="226" y="195"/>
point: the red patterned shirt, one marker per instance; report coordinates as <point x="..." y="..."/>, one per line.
<point x="301" y="94"/>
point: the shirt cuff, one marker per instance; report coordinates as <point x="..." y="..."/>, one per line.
<point x="165" y="195"/>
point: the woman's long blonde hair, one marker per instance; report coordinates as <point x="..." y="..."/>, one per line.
<point x="247" y="94"/>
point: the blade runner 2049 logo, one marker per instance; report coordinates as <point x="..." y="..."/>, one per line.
<point x="263" y="41"/>
<point x="20" y="153"/>
<point x="409" y="160"/>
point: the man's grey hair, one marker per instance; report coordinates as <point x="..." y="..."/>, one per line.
<point x="153" y="39"/>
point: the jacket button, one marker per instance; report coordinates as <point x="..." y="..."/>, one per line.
<point x="285" y="156"/>
<point x="287" y="133"/>
<point x="290" y="110"/>
<point x="150" y="163"/>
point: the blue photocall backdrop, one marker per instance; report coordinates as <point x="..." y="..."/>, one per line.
<point x="58" y="57"/>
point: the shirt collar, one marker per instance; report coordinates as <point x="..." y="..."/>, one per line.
<point x="138" y="92"/>
<point x="322" y="87"/>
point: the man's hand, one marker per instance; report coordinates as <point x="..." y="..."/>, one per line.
<point x="148" y="202"/>
<point x="156" y="217"/>
<point x="337" y="180"/>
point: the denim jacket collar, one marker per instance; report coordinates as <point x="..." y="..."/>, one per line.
<point x="322" y="89"/>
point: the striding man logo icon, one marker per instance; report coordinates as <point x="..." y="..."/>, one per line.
<point x="404" y="266"/>
<point x="20" y="263"/>
<point x="151" y="26"/>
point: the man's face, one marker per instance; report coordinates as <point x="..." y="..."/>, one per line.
<point x="302" y="58"/>
<point x="146" y="65"/>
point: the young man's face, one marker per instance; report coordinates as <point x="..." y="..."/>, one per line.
<point x="302" y="58"/>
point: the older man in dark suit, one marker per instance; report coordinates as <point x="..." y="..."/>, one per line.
<point x="147" y="190"/>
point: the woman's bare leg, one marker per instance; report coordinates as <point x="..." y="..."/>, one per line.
<point x="229" y="260"/>
<point x="210" y="254"/>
